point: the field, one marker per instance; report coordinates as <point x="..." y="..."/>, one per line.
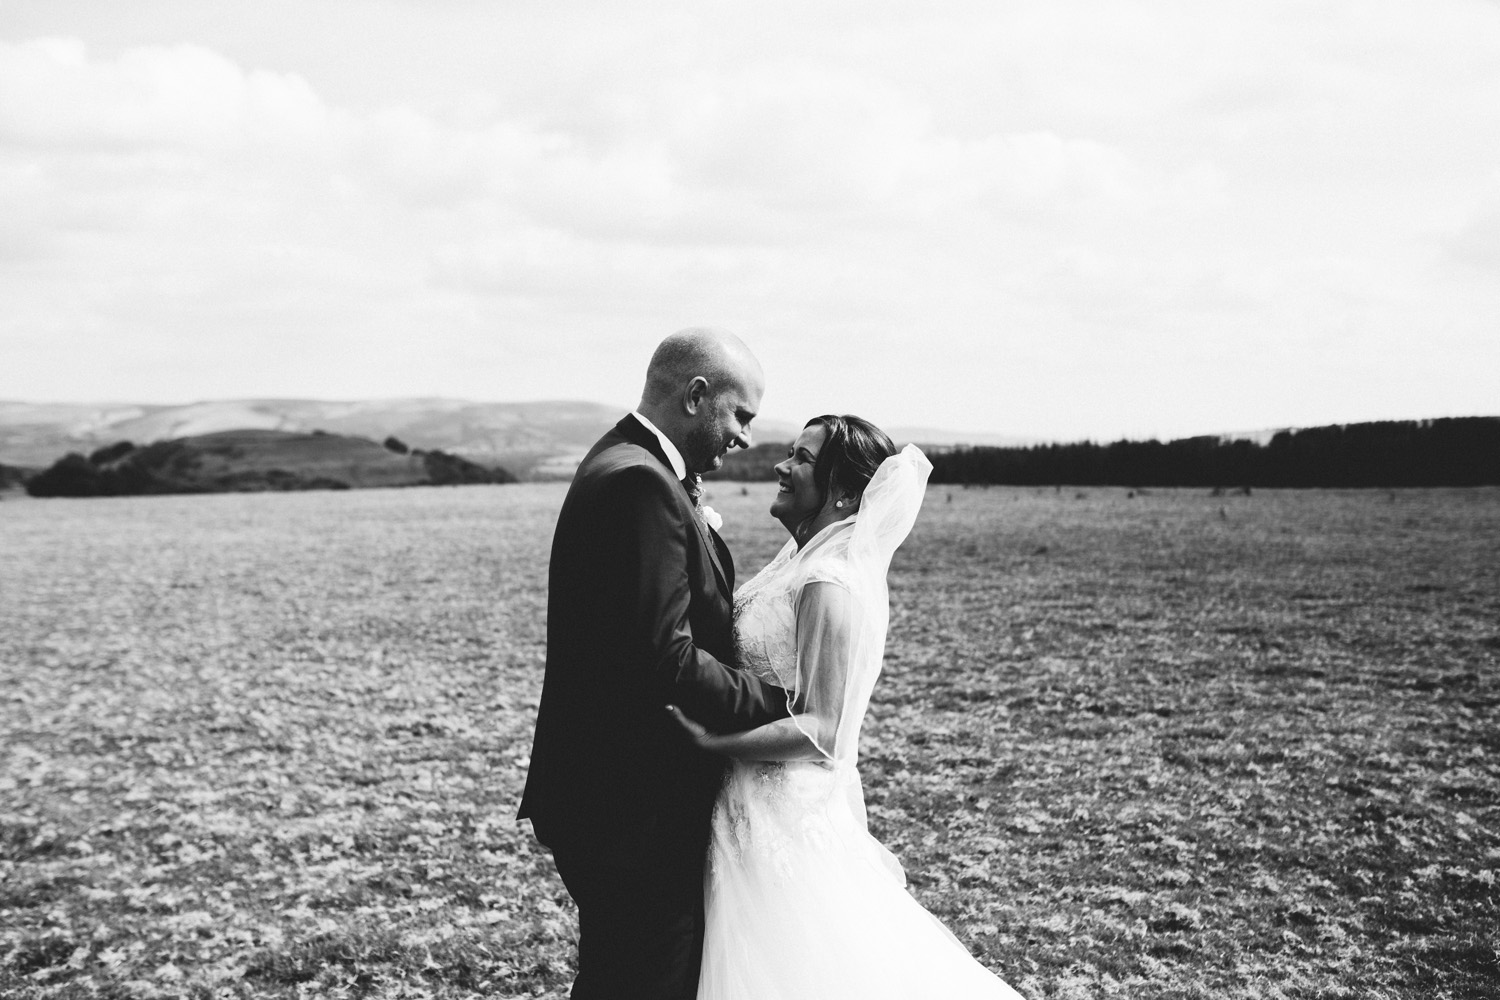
<point x="1163" y="745"/>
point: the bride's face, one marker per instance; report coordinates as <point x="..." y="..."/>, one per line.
<point x="798" y="498"/>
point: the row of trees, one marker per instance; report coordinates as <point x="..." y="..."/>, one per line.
<point x="1462" y="451"/>
<point x="1458" y="451"/>
<point x="120" y="469"/>
<point x="175" y="466"/>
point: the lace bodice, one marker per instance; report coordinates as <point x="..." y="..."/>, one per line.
<point x="765" y="634"/>
<point x="765" y="609"/>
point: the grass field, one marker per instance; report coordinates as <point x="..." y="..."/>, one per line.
<point x="1152" y="746"/>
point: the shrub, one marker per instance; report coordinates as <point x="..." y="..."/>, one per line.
<point x="70" y="476"/>
<point x="444" y="469"/>
<point x="111" y="453"/>
<point x="10" y="476"/>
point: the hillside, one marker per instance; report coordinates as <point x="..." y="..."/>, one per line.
<point x="538" y="440"/>
<point x="522" y="437"/>
<point x="251" y="461"/>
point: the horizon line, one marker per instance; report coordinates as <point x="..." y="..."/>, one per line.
<point x="1018" y="439"/>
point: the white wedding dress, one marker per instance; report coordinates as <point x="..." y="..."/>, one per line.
<point x="802" y="903"/>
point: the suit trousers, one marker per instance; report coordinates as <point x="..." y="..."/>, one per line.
<point x="640" y="928"/>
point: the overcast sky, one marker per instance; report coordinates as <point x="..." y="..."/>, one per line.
<point x="1055" y="218"/>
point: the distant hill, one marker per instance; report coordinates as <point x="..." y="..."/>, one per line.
<point x="540" y="440"/>
<point x="253" y="461"/>
<point x="526" y="438"/>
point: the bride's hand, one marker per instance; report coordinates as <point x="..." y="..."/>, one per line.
<point x="700" y="735"/>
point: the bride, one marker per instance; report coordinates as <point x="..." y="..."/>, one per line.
<point x="801" y="901"/>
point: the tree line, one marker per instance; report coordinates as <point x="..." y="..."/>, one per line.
<point x="1452" y="451"/>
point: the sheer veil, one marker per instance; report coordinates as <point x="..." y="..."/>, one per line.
<point x="843" y="605"/>
<point x="890" y="506"/>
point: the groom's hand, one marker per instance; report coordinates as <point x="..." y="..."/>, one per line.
<point x="700" y="735"/>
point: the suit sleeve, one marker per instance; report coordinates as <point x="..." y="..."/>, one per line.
<point x="656" y="538"/>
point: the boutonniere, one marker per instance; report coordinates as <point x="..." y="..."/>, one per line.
<point x="711" y="517"/>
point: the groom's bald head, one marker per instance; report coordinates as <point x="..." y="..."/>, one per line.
<point x="703" y="387"/>
<point x="717" y="356"/>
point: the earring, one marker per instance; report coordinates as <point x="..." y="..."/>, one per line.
<point x="838" y="503"/>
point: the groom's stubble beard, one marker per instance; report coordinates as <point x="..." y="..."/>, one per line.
<point x="706" y="442"/>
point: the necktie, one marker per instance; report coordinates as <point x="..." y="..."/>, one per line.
<point x="693" y="483"/>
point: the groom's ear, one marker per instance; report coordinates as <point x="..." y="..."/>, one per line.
<point x="695" y="394"/>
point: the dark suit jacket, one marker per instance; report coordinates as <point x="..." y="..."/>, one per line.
<point x="639" y="616"/>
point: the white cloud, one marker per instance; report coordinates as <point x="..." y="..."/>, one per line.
<point x="52" y="92"/>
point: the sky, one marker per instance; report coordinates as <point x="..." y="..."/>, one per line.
<point x="1054" y="219"/>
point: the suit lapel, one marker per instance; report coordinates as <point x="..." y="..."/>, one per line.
<point x="632" y="430"/>
<point x="726" y="559"/>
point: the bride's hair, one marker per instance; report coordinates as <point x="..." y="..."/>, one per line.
<point x="852" y="452"/>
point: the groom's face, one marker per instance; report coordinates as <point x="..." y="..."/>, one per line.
<point x="723" y="422"/>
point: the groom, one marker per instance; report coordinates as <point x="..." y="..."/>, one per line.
<point x="639" y="615"/>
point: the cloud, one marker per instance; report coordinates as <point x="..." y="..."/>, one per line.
<point x="778" y="154"/>
<point x="955" y="186"/>
<point x="53" y="93"/>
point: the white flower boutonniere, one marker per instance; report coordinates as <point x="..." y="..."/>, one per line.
<point x="711" y="517"/>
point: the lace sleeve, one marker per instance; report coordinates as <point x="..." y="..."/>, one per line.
<point x="828" y="622"/>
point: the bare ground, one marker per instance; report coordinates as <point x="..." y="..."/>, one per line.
<point x="1162" y="745"/>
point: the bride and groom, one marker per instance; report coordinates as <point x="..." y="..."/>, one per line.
<point x="694" y="764"/>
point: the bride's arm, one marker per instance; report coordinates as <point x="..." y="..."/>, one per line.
<point x="825" y="619"/>
<point x="783" y="739"/>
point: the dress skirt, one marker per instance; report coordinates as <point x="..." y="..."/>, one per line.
<point x="803" y="904"/>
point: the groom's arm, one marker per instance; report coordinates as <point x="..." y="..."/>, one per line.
<point x="656" y="540"/>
